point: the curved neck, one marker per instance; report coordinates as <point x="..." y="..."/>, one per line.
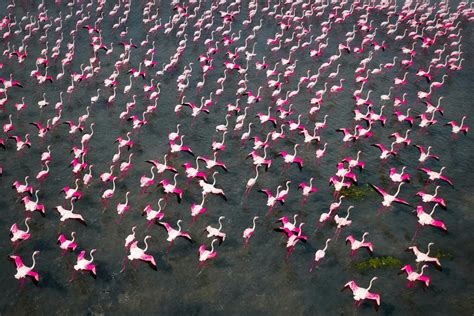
<point x="34" y="261"/>
<point x="26" y="224"/>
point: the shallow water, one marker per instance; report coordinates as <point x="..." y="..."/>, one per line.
<point x="256" y="279"/>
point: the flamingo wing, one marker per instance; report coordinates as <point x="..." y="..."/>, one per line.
<point x="166" y="226"/>
<point x="18" y="261"/>
<point x="379" y="190"/>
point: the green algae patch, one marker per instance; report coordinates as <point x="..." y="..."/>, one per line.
<point x="378" y="263"/>
<point x="357" y="192"/>
<point x="443" y="254"/>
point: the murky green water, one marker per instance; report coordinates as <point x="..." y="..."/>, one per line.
<point x="256" y="279"/>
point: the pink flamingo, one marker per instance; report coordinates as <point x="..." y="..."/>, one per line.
<point x="22" y="188"/>
<point x="399" y="177"/>
<point x="130" y="238"/>
<point x="293" y="239"/>
<point x="216" y="232"/>
<point x="249" y="231"/>
<point x="288" y="158"/>
<point x="123" y="208"/>
<point x="18" y="234"/>
<point x="388" y="199"/>
<point x="66" y="244"/>
<point x="288" y="228"/>
<point x="205" y="254"/>
<point x="109" y="193"/>
<point x="174" y="148"/>
<point x="20" y="144"/>
<point x="433" y="175"/>
<point x="342" y="221"/>
<point x="427" y="198"/>
<point x="22" y="271"/>
<point x="83" y="264"/>
<point x="458" y="128"/>
<point x="31" y="206"/>
<point x="197" y="209"/>
<point x="126" y="165"/>
<point x="424" y="256"/>
<point x="356" y="244"/>
<point x="68" y="214"/>
<point x="43" y="173"/>
<point x="151" y="214"/>
<point x="424" y="155"/>
<point x="174" y="233"/>
<point x="71" y="193"/>
<point x="319" y="255"/>
<point x="146" y="181"/>
<point x="137" y="253"/>
<point x="271" y="199"/>
<point x="360" y="293"/>
<point x="171" y="188"/>
<point x="307" y="189"/>
<point x="192" y="173"/>
<point x="162" y="167"/>
<point x="427" y="219"/>
<point x="413" y="276"/>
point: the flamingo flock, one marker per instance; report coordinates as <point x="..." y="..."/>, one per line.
<point x="273" y="107"/>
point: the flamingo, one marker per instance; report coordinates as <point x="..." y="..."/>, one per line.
<point x="122" y="208"/>
<point x="20" y="144"/>
<point x="126" y="165"/>
<point x="66" y="244"/>
<point x="205" y="254"/>
<point x="424" y="155"/>
<point x="342" y="221"/>
<point x="424" y="256"/>
<point x="172" y="188"/>
<point x="356" y="244"/>
<point x="137" y="253"/>
<point x="18" y="234"/>
<point x="130" y="238"/>
<point x="433" y="175"/>
<point x="43" y="173"/>
<point x="399" y="177"/>
<point x="307" y="189"/>
<point x="249" y="231"/>
<point x="428" y="198"/>
<point x="271" y="199"/>
<point x="388" y="199"/>
<point x="174" y="233"/>
<point x="69" y="214"/>
<point x="109" y="193"/>
<point x="360" y="293"/>
<point x="413" y="276"/>
<point x="458" y="128"/>
<point x="71" y="193"/>
<point x="319" y="255"/>
<point x="427" y="219"/>
<point x="293" y="239"/>
<point x="151" y="214"/>
<point x="31" y="206"/>
<point x="146" y="181"/>
<point x="251" y="182"/>
<point x="216" y="232"/>
<point x="288" y="158"/>
<point x="210" y="188"/>
<point x="192" y="173"/>
<point x="160" y="168"/>
<point x="22" y="271"/>
<point x="83" y="264"/>
<point x="288" y="228"/>
<point x="22" y="188"/>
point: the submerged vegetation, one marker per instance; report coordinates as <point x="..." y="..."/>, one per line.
<point x="378" y="262"/>
<point x="357" y="192"/>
